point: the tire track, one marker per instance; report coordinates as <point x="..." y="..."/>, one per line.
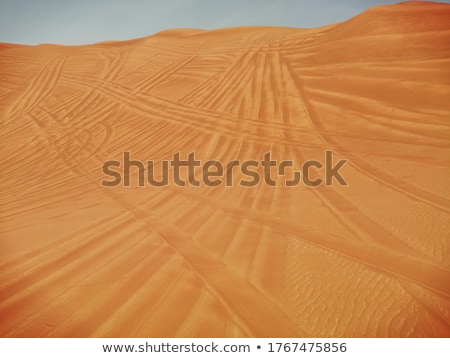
<point x="392" y="182"/>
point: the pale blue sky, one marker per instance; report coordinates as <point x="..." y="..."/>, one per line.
<point x="87" y="21"/>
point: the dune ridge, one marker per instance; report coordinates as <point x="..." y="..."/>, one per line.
<point x="370" y="259"/>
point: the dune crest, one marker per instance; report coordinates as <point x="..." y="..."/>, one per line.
<point x="370" y="259"/>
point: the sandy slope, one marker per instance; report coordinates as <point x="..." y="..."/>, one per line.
<point x="370" y="259"/>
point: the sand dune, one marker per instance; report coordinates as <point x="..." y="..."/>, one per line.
<point x="371" y="259"/>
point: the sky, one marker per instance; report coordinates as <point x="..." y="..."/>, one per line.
<point x="87" y="21"/>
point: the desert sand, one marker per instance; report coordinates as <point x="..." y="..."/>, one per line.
<point x="371" y="259"/>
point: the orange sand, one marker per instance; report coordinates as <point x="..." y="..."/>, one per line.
<point x="371" y="259"/>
